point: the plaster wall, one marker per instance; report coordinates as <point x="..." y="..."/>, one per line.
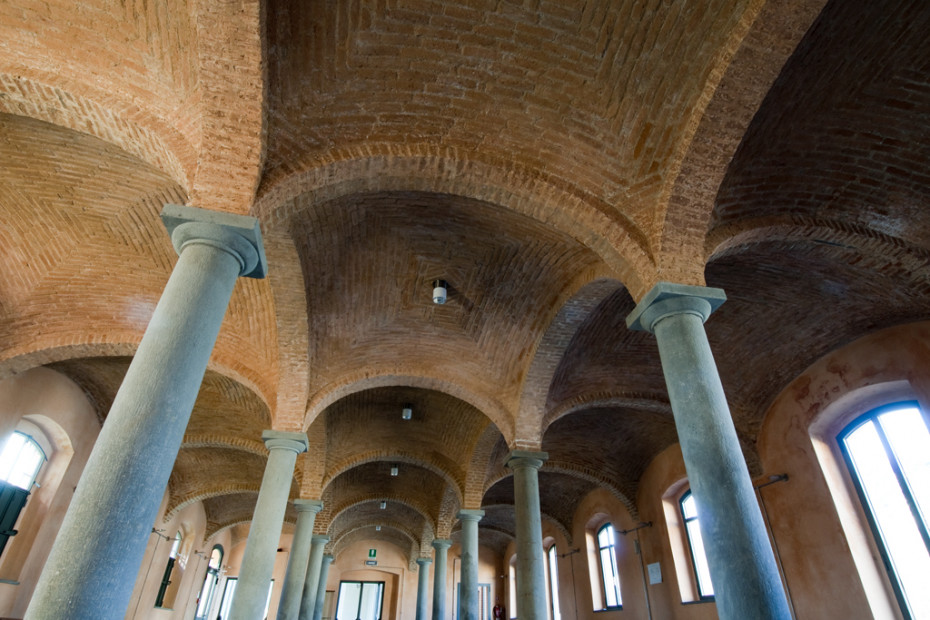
<point x="400" y="583"/>
<point x="832" y="566"/>
<point x="59" y="407"/>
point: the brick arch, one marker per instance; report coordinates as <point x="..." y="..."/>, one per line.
<point x="477" y="468"/>
<point x="655" y="403"/>
<point x="748" y="65"/>
<point x="593" y="476"/>
<point x="881" y="248"/>
<point x="176" y="505"/>
<point x="252" y="446"/>
<point x="429" y="168"/>
<point x="82" y="108"/>
<point x="390" y="524"/>
<point x="231" y="71"/>
<point x="59" y="347"/>
<point x="342" y="507"/>
<point x="582" y="298"/>
<point x="365" y="380"/>
<point x="211" y="532"/>
<point x="442" y="470"/>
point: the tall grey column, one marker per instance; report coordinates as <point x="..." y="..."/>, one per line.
<point x="742" y="565"/>
<point x="312" y="582"/>
<point x="441" y="546"/>
<point x="93" y="564"/>
<point x="261" y="548"/>
<point x="468" y="597"/>
<point x="423" y="589"/>
<point x="293" y="588"/>
<point x="321" y="588"/>
<point x="531" y="568"/>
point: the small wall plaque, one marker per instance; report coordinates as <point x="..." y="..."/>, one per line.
<point x="655" y="572"/>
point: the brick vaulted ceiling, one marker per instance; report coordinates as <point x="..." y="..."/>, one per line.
<point x="551" y="159"/>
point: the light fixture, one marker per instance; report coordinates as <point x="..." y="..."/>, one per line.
<point x="377" y="528"/>
<point x="407" y="412"/>
<point x="393" y="470"/>
<point x="440" y="291"/>
<point x="383" y="505"/>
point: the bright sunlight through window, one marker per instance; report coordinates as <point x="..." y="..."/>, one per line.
<point x="20" y="460"/>
<point x="888" y="453"/>
<point x="696" y="542"/>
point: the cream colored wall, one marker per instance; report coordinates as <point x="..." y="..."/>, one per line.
<point x="189" y="570"/>
<point x="56" y="403"/>
<point x="400" y="583"/>
<point x="832" y="566"/>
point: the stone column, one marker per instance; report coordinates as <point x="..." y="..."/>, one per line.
<point x="291" y="592"/>
<point x="321" y="587"/>
<point x="265" y="531"/>
<point x="93" y="564"/>
<point x="439" y="578"/>
<point x="468" y="597"/>
<point x="742" y="565"/>
<point x="531" y="568"/>
<point x="423" y="589"/>
<point x="314" y="566"/>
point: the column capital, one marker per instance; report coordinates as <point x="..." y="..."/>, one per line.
<point x="441" y="544"/>
<point x="237" y="234"/>
<point x="526" y="458"/>
<point x="319" y="539"/>
<point x="469" y="515"/>
<point x="668" y="299"/>
<point x="327" y="558"/>
<point x="308" y="505"/>
<point x="289" y="441"/>
<point x="424" y="561"/>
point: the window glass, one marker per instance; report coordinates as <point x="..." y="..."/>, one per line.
<point x="607" y="554"/>
<point x="21" y="460"/>
<point x="888" y="453"/>
<point x="696" y="545"/>
<point x="552" y="561"/>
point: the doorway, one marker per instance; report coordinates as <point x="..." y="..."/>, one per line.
<point x="360" y="600"/>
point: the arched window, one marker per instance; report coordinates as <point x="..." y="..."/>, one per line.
<point x="689" y="515"/>
<point x="20" y="462"/>
<point x="205" y="600"/>
<point x="607" y="560"/>
<point x="552" y="558"/>
<point x="888" y="454"/>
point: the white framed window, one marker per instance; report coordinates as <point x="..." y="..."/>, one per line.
<point x="689" y="515"/>
<point x="887" y="452"/>
<point x="607" y="561"/>
<point x="552" y="572"/>
<point x="21" y="460"/>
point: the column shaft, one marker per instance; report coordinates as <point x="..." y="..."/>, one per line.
<point x="742" y="565"/>
<point x="93" y="564"/>
<point x="531" y="575"/>
<point x="468" y="597"/>
<point x="265" y="531"/>
<point x="292" y="590"/>
<point x="439" y="578"/>
<point x="321" y="587"/>
<point x="423" y="589"/>
<point x="312" y="582"/>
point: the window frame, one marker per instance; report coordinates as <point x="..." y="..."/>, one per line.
<point x="552" y="560"/>
<point x="614" y="565"/>
<point x="28" y="440"/>
<point x="685" y="520"/>
<point x="871" y="417"/>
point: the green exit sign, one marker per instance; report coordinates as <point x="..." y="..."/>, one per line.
<point x="372" y="553"/>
